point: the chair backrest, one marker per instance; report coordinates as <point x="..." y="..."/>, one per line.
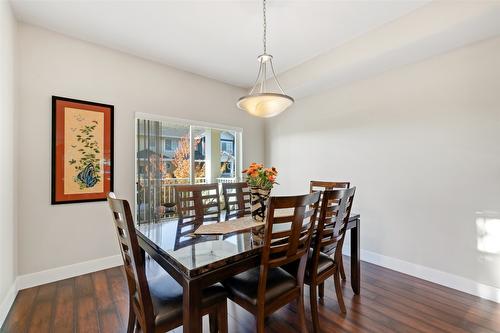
<point x="133" y="262"/>
<point x="196" y="204"/>
<point x="332" y="223"/>
<point x="236" y="199"/>
<point x="289" y="226"/>
<point x="318" y="185"/>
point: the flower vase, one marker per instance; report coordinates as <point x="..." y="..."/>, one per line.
<point x="259" y="198"/>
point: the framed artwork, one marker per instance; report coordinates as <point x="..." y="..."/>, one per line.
<point x="82" y="150"/>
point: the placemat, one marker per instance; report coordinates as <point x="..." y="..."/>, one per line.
<point x="227" y="227"/>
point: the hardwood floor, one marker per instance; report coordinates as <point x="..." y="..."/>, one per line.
<point x="389" y="302"/>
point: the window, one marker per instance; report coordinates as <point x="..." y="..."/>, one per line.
<point x="171" y="143"/>
<point x="227" y="148"/>
<point x="189" y="153"/>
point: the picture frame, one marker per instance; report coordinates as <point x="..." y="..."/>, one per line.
<point x="82" y="150"/>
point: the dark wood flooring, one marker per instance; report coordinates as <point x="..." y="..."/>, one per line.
<point x="389" y="302"/>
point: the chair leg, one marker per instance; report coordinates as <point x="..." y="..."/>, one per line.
<point x="260" y="321"/>
<point x="222" y="317"/>
<point x="302" y="313"/>
<point x="338" y="291"/>
<point x="131" y="319"/>
<point x="321" y="290"/>
<point x="212" y="318"/>
<point x="314" y="307"/>
<point x="341" y="268"/>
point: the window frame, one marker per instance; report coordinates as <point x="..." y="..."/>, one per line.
<point x="238" y="142"/>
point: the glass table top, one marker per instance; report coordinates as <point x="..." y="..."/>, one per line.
<point x="195" y="255"/>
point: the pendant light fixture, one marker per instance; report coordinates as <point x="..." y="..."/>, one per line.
<point x="261" y="101"/>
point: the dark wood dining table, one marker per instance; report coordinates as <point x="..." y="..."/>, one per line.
<point x="196" y="262"/>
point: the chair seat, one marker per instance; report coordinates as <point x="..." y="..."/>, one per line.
<point x="166" y="295"/>
<point x="245" y="285"/>
<point x="324" y="263"/>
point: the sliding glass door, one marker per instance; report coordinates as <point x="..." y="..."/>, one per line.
<point x="169" y="153"/>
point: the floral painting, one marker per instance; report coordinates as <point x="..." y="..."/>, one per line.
<point x="82" y="150"/>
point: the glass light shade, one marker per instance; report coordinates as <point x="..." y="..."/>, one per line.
<point x="265" y="105"/>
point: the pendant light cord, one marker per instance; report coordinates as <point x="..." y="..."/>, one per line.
<point x="265" y="24"/>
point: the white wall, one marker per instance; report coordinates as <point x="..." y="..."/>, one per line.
<point x="8" y="265"/>
<point x="421" y="143"/>
<point x="51" y="64"/>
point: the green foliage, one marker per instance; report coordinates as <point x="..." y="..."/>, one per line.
<point x="88" y="153"/>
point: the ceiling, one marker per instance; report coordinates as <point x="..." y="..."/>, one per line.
<point x="216" y="39"/>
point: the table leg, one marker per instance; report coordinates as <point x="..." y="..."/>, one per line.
<point x="143" y="254"/>
<point x="355" y="261"/>
<point x="191" y="308"/>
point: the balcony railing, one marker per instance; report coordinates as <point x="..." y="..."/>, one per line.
<point x="226" y="180"/>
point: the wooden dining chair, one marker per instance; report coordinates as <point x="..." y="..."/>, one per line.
<point x="236" y="199"/>
<point x="265" y="289"/>
<point x="330" y="233"/>
<point x="318" y="185"/>
<point x="196" y="204"/>
<point x="156" y="301"/>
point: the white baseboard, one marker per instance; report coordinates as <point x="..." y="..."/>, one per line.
<point x="7" y="302"/>
<point x="430" y="274"/>
<point x="65" y="272"/>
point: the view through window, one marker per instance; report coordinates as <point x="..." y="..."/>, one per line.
<point x="169" y="153"/>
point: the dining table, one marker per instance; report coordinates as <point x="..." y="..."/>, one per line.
<point x="198" y="261"/>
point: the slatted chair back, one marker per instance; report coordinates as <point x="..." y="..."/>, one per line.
<point x="332" y="223"/>
<point x="196" y="204"/>
<point x="133" y="262"/>
<point x="317" y="185"/>
<point x="289" y="226"/>
<point x="236" y="199"/>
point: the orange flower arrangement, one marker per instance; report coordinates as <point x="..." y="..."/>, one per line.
<point x="258" y="176"/>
